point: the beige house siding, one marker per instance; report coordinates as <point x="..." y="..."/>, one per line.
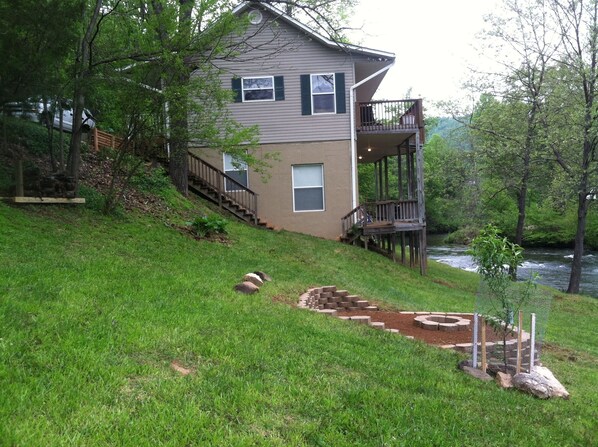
<point x="275" y="202"/>
<point x="281" y="50"/>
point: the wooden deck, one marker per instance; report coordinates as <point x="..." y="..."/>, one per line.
<point x="387" y="227"/>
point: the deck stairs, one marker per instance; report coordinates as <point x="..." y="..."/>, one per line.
<point x="221" y="189"/>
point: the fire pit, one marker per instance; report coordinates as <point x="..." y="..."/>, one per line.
<point x="446" y="323"/>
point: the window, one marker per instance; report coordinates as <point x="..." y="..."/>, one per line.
<point x="258" y="88"/>
<point x="237" y="170"/>
<point x="322" y="93"/>
<point x="308" y="187"/>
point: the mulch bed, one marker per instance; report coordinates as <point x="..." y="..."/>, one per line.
<point x="406" y="326"/>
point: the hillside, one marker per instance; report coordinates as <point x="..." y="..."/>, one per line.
<point x="95" y="309"/>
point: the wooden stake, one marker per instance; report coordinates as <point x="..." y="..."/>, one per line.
<point x="20" y="190"/>
<point x="483" y="344"/>
<point x="519" y="335"/>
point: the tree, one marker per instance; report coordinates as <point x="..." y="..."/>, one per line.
<point x="507" y="123"/>
<point x="496" y="258"/>
<point x="577" y="24"/>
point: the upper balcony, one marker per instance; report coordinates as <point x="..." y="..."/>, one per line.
<point x="398" y="116"/>
<point x="383" y="126"/>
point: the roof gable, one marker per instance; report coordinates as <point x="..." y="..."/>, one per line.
<point x="369" y="53"/>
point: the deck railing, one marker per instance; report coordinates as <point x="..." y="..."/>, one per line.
<point x="385" y="116"/>
<point x="223" y="185"/>
<point x="389" y="211"/>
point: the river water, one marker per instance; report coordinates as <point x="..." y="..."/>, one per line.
<point x="551" y="264"/>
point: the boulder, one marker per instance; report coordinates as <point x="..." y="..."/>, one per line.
<point x="541" y="383"/>
<point x="263" y="276"/>
<point x="255" y="279"/>
<point x="247" y="288"/>
<point x="504" y="380"/>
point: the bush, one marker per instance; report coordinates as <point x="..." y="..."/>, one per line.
<point x="206" y="226"/>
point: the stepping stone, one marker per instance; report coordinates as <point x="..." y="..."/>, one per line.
<point x="329" y="312"/>
<point x="341" y="293"/>
<point x="377" y="325"/>
<point x="361" y="304"/>
<point x="247" y="288"/>
<point x="371" y="308"/>
<point x="263" y="276"/>
<point x="329" y="289"/>
<point x="362" y="319"/>
<point x="255" y="279"/>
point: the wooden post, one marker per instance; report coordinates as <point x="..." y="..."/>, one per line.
<point x="483" y="344"/>
<point x="386" y="195"/>
<point x="519" y="335"/>
<point x="20" y="189"/>
<point x="96" y="144"/>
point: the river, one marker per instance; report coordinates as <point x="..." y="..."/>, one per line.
<point x="553" y="265"/>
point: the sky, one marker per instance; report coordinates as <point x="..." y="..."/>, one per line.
<point x="433" y="41"/>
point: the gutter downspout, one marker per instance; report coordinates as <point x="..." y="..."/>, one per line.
<point x="354" y="131"/>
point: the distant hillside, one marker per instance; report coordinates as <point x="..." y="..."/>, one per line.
<point x="451" y="130"/>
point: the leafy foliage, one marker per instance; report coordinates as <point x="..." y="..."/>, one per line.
<point x="206" y="226"/>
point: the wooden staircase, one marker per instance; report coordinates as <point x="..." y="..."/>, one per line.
<point x="216" y="186"/>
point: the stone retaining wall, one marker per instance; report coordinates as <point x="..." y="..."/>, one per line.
<point x="327" y="299"/>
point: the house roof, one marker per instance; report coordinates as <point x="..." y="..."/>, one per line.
<point x="372" y="54"/>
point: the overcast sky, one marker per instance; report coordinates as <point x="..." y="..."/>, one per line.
<point x="433" y="41"/>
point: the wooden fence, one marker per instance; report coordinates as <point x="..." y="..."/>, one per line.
<point x="100" y="139"/>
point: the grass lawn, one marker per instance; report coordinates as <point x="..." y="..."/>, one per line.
<point x="94" y="309"/>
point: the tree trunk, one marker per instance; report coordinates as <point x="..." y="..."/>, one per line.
<point x="82" y="72"/>
<point x="582" y="214"/>
<point x="179" y="132"/>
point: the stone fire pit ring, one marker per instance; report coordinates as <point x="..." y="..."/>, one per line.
<point x="446" y="323"/>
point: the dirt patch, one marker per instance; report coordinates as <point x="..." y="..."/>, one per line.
<point x="405" y="324"/>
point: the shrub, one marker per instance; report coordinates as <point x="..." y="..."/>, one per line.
<point x="206" y="226"/>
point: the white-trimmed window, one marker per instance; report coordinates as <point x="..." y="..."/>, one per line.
<point x="259" y="88"/>
<point x="323" y="93"/>
<point x="237" y="170"/>
<point x="308" y="187"/>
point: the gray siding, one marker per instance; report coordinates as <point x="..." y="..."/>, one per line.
<point x="278" y="49"/>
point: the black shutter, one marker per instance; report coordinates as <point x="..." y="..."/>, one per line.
<point x="279" y="88"/>
<point x="236" y="86"/>
<point x="339" y="80"/>
<point x="305" y="95"/>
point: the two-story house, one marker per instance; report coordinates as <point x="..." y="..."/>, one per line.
<point x="311" y="98"/>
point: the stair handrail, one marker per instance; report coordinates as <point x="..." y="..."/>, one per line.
<point x="217" y="179"/>
<point x="355" y="217"/>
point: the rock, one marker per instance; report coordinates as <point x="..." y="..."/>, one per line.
<point x="181" y="369"/>
<point x="474" y="372"/>
<point x="255" y="279"/>
<point x="541" y="383"/>
<point x="504" y="380"/>
<point x="263" y="276"/>
<point x="247" y="288"/>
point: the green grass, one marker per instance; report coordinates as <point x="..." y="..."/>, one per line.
<point x="93" y="310"/>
